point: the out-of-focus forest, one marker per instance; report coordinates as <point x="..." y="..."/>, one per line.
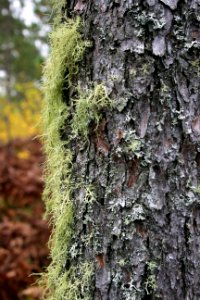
<point x="23" y="232"/>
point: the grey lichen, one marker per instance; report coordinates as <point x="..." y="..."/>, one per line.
<point x="150" y="283"/>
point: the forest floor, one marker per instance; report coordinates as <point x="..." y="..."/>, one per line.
<point x="23" y="232"/>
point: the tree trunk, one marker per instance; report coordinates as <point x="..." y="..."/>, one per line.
<point x="140" y="224"/>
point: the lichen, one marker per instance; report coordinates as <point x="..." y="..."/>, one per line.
<point x="88" y="109"/>
<point x="150" y="283"/>
<point x="198" y="189"/>
<point x="56" y="10"/>
<point x="135" y="145"/>
<point x="69" y="276"/>
<point x="90" y="196"/>
<point x="72" y="284"/>
<point x="67" y="49"/>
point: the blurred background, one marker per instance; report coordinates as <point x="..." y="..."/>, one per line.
<point x="23" y="232"/>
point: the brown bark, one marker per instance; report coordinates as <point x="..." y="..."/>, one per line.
<point x="143" y="232"/>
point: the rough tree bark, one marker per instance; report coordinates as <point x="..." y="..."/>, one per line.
<point x="143" y="160"/>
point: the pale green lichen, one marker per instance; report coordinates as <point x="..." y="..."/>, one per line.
<point x="66" y="279"/>
<point x="57" y="6"/>
<point x="88" y="109"/>
<point x="90" y="196"/>
<point x="198" y="189"/>
<point x="150" y="283"/>
<point x="72" y="285"/>
<point x="135" y="145"/>
<point x="67" y="50"/>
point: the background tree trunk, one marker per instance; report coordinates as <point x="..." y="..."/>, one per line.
<point x="143" y="160"/>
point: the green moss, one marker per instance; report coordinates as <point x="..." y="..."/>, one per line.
<point x="89" y="108"/>
<point x="67" y="49"/>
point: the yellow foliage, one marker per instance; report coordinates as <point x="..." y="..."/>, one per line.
<point x="23" y="154"/>
<point x="20" y="119"/>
